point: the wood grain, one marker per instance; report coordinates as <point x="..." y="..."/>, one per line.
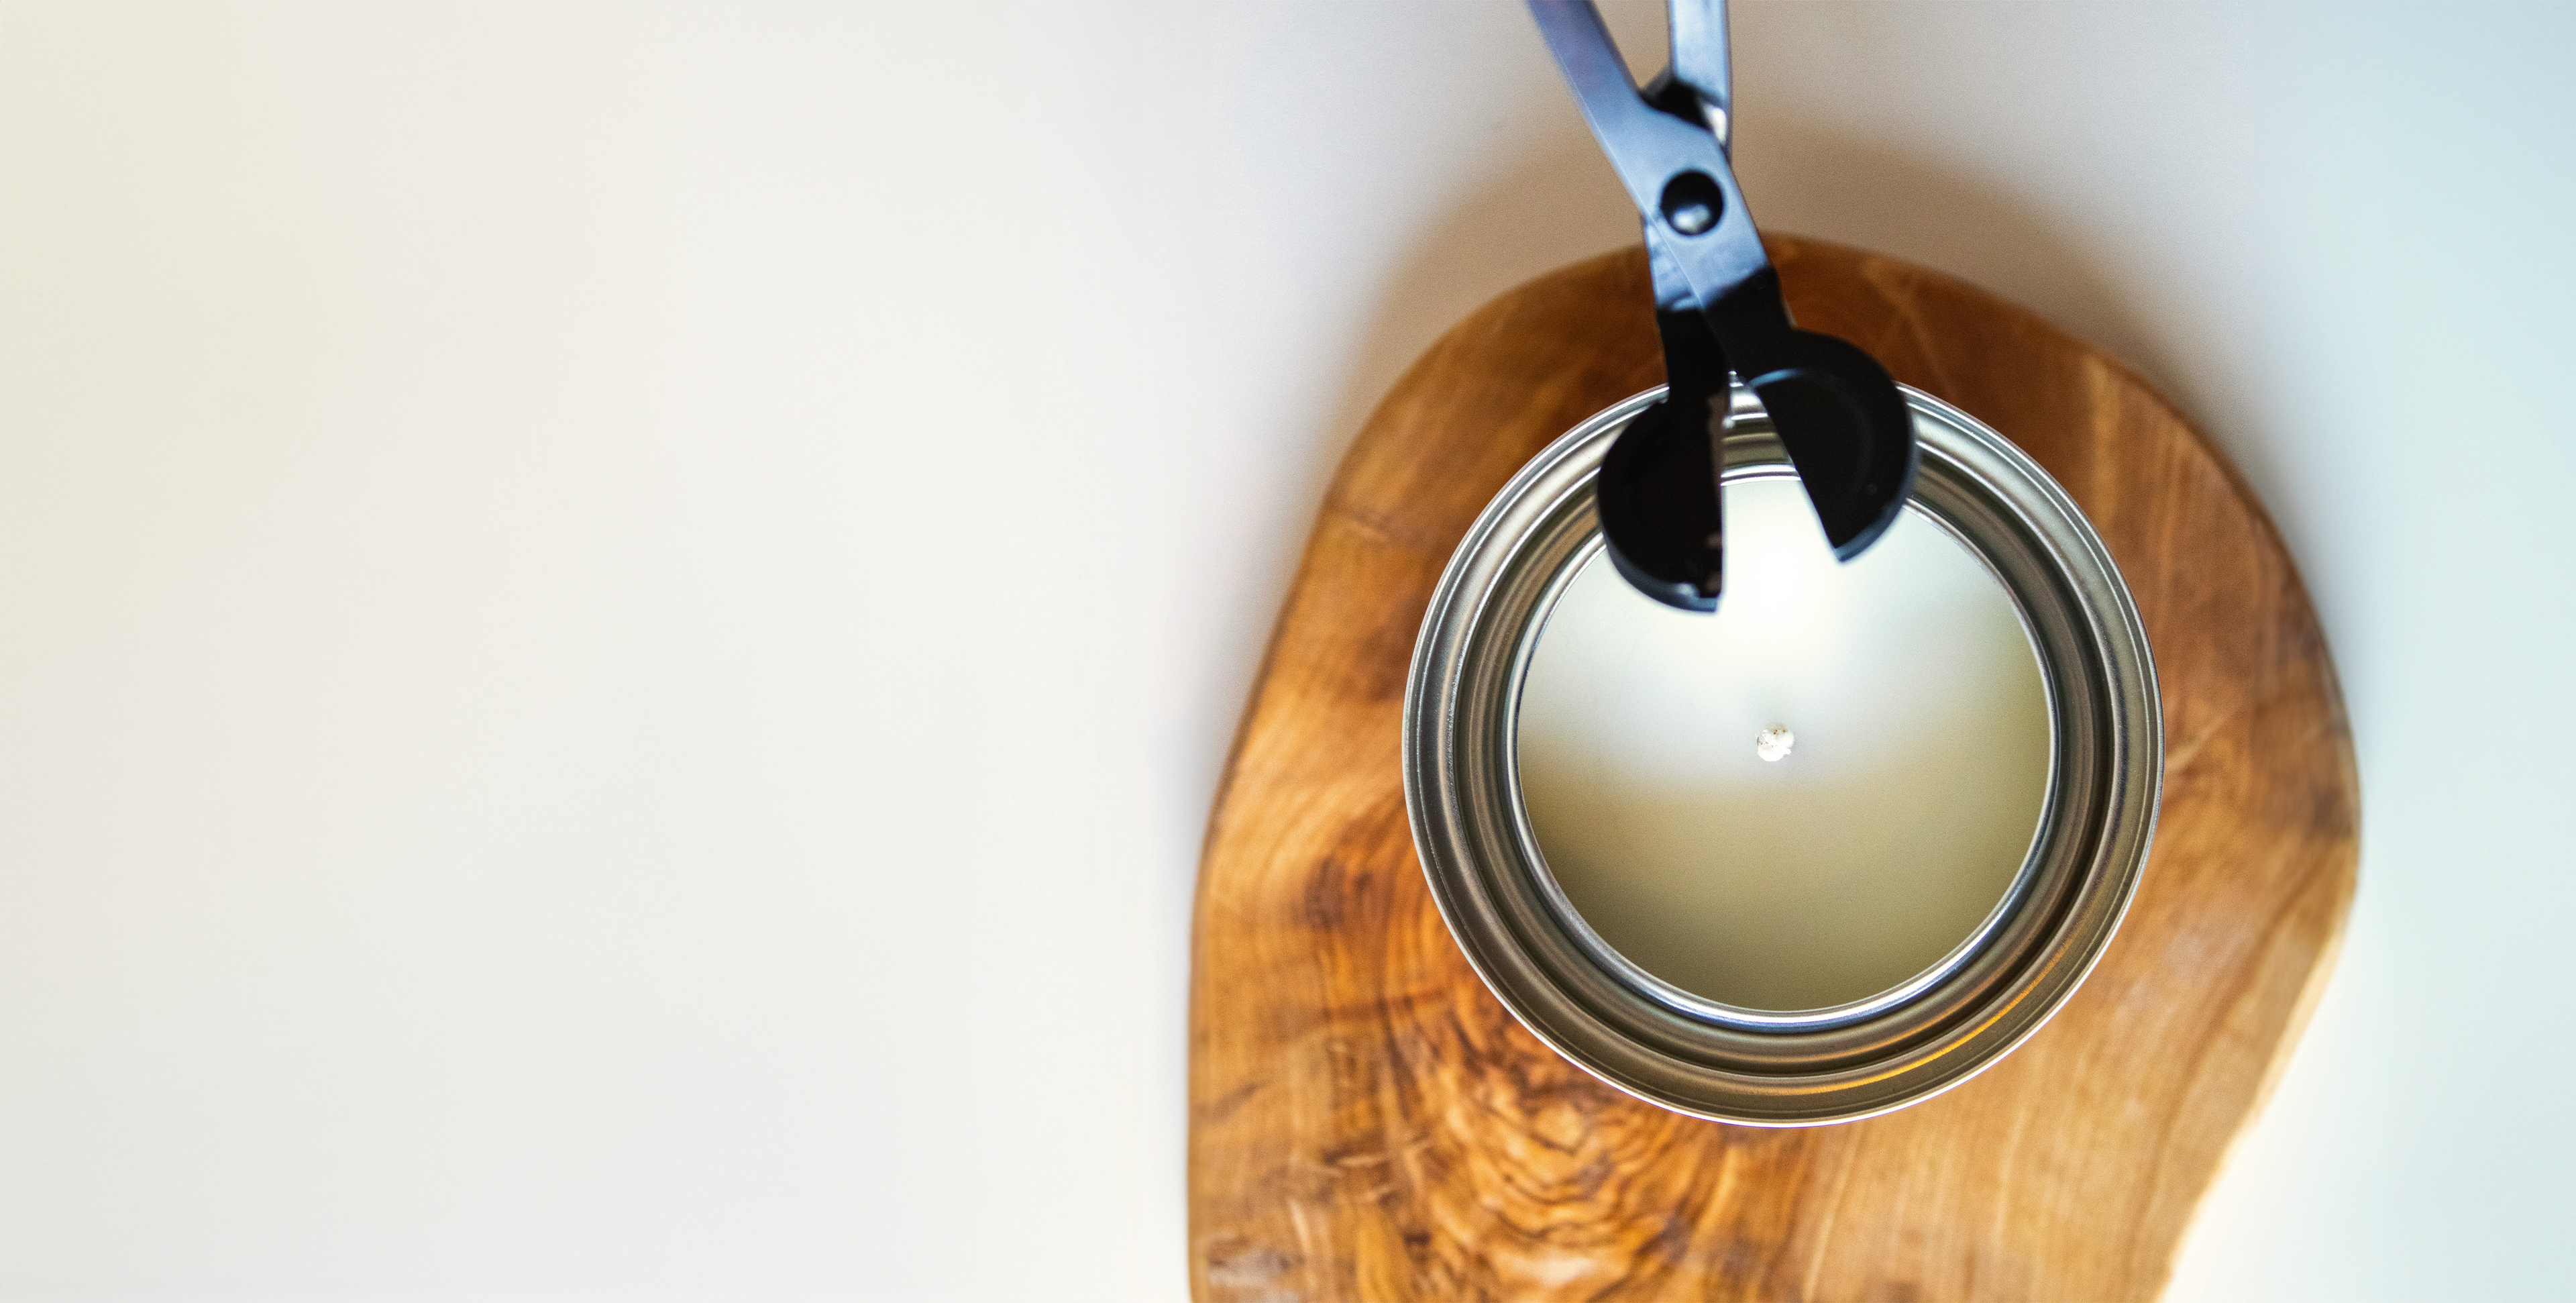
<point x="1367" y="1122"/>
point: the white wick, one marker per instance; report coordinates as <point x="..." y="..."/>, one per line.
<point x="1773" y="743"/>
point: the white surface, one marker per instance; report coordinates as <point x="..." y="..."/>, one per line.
<point x="501" y="793"/>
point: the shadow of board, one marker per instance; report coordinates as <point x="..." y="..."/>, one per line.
<point x="1867" y="195"/>
<point x="1558" y="202"/>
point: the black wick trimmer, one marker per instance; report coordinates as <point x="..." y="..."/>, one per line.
<point x="1718" y="308"/>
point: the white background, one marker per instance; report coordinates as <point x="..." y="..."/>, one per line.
<point x="617" y="622"/>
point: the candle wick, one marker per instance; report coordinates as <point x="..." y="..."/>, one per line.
<point x="1773" y="743"/>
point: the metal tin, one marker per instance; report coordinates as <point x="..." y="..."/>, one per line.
<point x="1696" y="1056"/>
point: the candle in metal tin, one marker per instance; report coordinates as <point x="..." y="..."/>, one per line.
<point x="1825" y="853"/>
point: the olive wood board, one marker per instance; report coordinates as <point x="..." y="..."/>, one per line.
<point x="1368" y="1123"/>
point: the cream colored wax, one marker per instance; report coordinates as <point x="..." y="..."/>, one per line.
<point x="1916" y="759"/>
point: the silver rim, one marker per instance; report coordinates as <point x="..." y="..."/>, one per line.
<point x="1738" y="1065"/>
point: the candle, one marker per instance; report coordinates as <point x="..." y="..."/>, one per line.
<point x="1808" y="797"/>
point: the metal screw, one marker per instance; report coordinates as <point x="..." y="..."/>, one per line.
<point x="1693" y="203"/>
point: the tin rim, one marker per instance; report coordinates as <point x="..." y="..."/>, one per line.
<point x="1757" y="1067"/>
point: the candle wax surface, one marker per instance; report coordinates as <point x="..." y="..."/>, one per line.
<point x="1888" y="833"/>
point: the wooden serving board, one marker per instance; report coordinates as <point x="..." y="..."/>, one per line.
<point x="1367" y="1123"/>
